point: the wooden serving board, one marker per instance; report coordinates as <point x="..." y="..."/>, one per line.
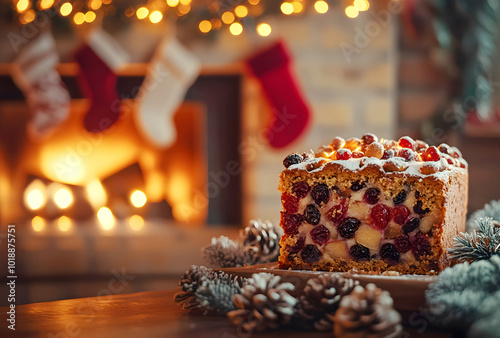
<point x="407" y="291"/>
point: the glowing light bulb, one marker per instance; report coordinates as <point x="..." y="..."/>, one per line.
<point x="35" y="195"/>
<point x="90" y="16"/>
<point x="236" y="28"/>
<point x="361" y="5"/>
<point x="286" y="8"/>
<point x="79" y="18"/>
<point x="172" y="3"/>
<point x="136" y="222"/>
<point x="63" y="198"/>
<point x="142" y="13"/>
<point x="297" y="7"/>
<point x="241" y="11"/>
<point x="45" y="4"/>
<point x="38" y="223"/>
<point x="106" y="218"/>
<point x="321" y="6"/>
<point x="64" y="223"/>
<point x="66" y="9"/>
<point x="155" y="16"/>
<point x="351" y="12"/>
<point x="95" y="4"/>
<point x="138" y="198"/>
<point x="264" y="29"/>
<point x="22" y="5"/>
<point x="227" y="18"/>
<point x="205" y="26"/>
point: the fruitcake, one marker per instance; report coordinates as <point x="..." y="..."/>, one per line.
<point x="372" y="205"/>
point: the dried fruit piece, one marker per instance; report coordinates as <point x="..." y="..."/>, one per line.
<point x="411" y="225"/>
<point x="393" y="231"/>
<point x="344" y="154"/>
<point x="401" y="214"/>
<point x="418" y="208"/>
<point x="390" y="144"/>
<point x="337" y="249"/>
<point x="348" y="227"/>
<point x="375" y="150"/>
<point x="352" y="144"/>
<point x="421" y="145"/>
<point x="402" y="243"/>
<point x="420" y="245"/>
<point x="443" y="147"/>
<point x="300" y="189"/>
<point x="359" y="252"/>
<point x="368" y="237"/>
<point x="320" y="234"/>
<point x="337" y="143"/>
<point x="388" y="154"/>
<point x="408" y="154"/>
<point x="357" y="154"/>
<point x="312" y="214"/>
<point x="406" y="142"/>
<point x="337" y="213"/>
<point x="371" y="195"/>
<point x="290" y="222"/>
<point x="380" y="216"/>
<point x="298" y="245"/>
<point x="310" y="254"/>
<point x="292" y="159"/>
<point x="320" y="193"/>
<point x="429" y="169"/>
<point x="395" y="165"/>
<point x="357" y="185"/>
<point x="454" y="152"/>
<point x="369" y="138"/>
<point x="432" y="154"/>
<point x="389" y="253"/>
<point x="400" y="197"/>
<point x="290" y="203"/>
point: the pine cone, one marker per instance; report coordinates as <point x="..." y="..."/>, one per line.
<point x="367" y="312"/>
<point x="265" y="237"/>
<point x="321" y="299"/>
<point x="226" y="253"/>
<point x="265" y="303"/>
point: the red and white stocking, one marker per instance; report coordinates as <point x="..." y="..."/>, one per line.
<point x="171" y="72"/>
<point x="291" y="113"/>
<point x="35" y="74"/>
<point x="98" y="59"/>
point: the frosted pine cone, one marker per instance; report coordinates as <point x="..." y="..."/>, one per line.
<point x="367" y="312"/>
<point x="265" y="303"/>
<point x="225" y="253"/>
<point x="321" y="299"/>
<point x="265" y="237"/>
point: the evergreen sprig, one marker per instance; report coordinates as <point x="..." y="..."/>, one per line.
<point x="491" y="209"/>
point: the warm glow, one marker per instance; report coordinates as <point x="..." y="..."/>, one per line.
<point x="321" y="6"/>
<point x="351" y="12"/>
<point x="138" y="199"/>
<point x="241" y="11"/>
<point x="236" y="28"/>
<point x="286" y="8"/>
<point x="227" y="17"/>
<point x="22" y="5"/>
<point x="155" y="16"/>
<point x="361" y="5"/>
<point x="205" y="26"/>
<point x="95" y="194"/>
<point x="66" y="9"/>
<point x="216" y="23"/>
<point x="185" y="2"/>
<point x="172" y="3"/>
<point x="136" y="222"/>
<point x="63" y="198"/>
<point x="95" y="4"/>
<point x="297" y="7"/>
<point x="253" y="2"/>
<point x="79" y="18"/>
<point x="34" y="195"/>
<point x="64" y="223"/>
<point x="142" y="13"/>
<point x="38" y="223"/>
<point x="106" y="2"/>
<point x="90" y="16"/>
<point x="184" y="8"/>
<point x="45" y="4"/>
<point x="28" y="16"/>
<point x="106" y="218"/>
<point x="264" y="29"/>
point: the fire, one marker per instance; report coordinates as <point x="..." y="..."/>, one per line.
<point x="95" y="194"/>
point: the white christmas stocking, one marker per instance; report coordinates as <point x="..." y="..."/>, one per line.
<point x="171" y="72"/>
<point x="35" y="74"/>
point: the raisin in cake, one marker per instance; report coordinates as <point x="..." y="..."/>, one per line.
<point x="372" y="205"/>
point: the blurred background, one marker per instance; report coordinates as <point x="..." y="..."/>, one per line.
<point x="131" y="132"/>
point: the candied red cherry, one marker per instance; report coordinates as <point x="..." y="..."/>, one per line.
<point x="359" y="252"/>
<point x="312" y="214"/>
<point x="357" y="154"/>
<point x="388" y="154"/>
<point x="380" y="215"/>
<point x="371" y="195"/>
<point x="337" y="143"/>
<point x="400" y="197"/>
<point x="421" y="145"/>
<point x="357" y="185"/>
<point x="408" y="154"/>
<point x="320" y="193"/>
<point x="401" y="214"/>
<point x="420" y="245"/>
<point x="463" y="163"/>
<point x="292" y="159"/>
<point x="348" y="227"/>
<point x="297" y="246"/>
<point x="290" y="222"/>
<point x="344" y="154"/>
<point x="389" y="253"/>
<point x="411" y="225"/>
<point x="443" y="147"/>
<point x="310" y="254"/>
<point x="406" y="142"/>
<point x="402" y="243"/>
<point x="300" y="189"/>
<point x="290" y="203"/>
<point x="448" y="159"/>
<point x="368" y="138"/>
<point x="320" y="234"/>
<point x="454" y="152"/>
<point x="337" y="213"/>
<point x="432" y="154"/>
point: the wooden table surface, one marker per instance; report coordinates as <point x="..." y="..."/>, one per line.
<point x="144" y="314"/>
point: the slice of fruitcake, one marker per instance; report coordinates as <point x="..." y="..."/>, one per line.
<point x="372" y="205"/>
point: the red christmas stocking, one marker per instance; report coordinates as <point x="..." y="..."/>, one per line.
<point x="98" y="59"/>
<point x="35" y="74"/>
<point x="291" y="114"/>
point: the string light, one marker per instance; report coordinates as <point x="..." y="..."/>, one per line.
<point x="236" y="28"/>
<point x="90" y="16"/>
<point x="155" y="16"/>
<point x="138" y="198"/>
<point x="79" y="18"/>
<point x="95" y="4"/>
<point x="106" y="2"/>
<point x="205" y="26"/>
<point x="22" y="5"/>
<point x="136" y="222"/>
<point x="321" y="6"/>
<point x="34" y="195"/>
<point x="185" y="2"/>
<point x="297" y="7"/>
<point x="45" y="4"/>
<point x="286" y="8"/>
<point x="64" y="223"/>
<point x="142" y="13"/>
<point x="38" y="223"/>
<point x="28" y="17"/>
<point x="227" y="18"/>
<point x="66" y="9"/>
<point x="184" y="9"/>
<point x="106" y="218"/>
<point x="172" y="3"/>
<point x="361" y="5"/>
<point x="253" y="2"/>
<point x="264" y="29"/>
<point x="241" y="11"/>
<point x="351" y="12"/>
<point x="63" y="198"/>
